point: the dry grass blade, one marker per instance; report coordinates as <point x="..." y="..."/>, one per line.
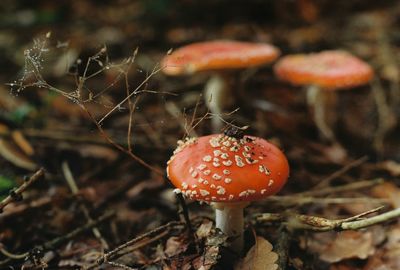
<point x="16" y="157"/>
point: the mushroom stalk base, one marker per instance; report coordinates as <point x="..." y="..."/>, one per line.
<point x="320" y="102"/>
<point x="229" y="219"/>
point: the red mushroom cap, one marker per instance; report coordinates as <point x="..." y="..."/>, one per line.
<point x="327" y="69"/>
<point x="219" y="168"/>
<point x="216" y="55"/>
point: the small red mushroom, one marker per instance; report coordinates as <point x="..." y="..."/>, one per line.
<point x="228" y="172"/>
<point x="218" y="57"/>
<point x="323" y="73"/>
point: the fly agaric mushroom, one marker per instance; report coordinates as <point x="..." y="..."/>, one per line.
<point x="323" y="73"/>
<point x="218" y="57"/>
<point x="228" y="171"/>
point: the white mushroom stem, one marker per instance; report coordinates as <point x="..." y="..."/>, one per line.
<point x="321" y="103"/>
<point x="217" y="97"/>
<point x="229" y="219"/>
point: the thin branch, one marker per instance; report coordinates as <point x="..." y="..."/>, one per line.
<point x="76" y="137"/>
<point x="196" y="107"/>
<point x="297" y="200"/>
<point x="122" y="266"/>
<point x="326" y="181"/>
<point x="131" y="105"/>
<point x="74" y="189"/>
<point x="313" y="223"/>
<point x="312" y="195"/>
<point x="60" y="240"/>
<point x="10" y="255"/>
<point x="16" y="194"/>
<point x="174" y="111"/>
<point x="153" y="72"/>
<point x="72" y="234"/>
<point x="118" y="251"/>
<point x="118" y="146"/>
<point x="355" y="225"/>
<point x="347" y="187"/>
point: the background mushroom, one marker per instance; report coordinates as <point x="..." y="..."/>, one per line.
<point x="218" y="57"/>
<point x="229" y="172"/>
<point x="323" y="73"/>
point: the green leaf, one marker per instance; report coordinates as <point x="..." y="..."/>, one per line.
<point x="5" y="184"/>
<point x="21" y="113"/>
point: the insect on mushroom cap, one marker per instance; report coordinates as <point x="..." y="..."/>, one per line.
<point x="219" y="168"/>
<point x="218" y="55"/>
<point x="329" y="70"/>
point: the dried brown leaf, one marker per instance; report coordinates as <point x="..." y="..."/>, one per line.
<point x="388" y="257"/>
<point x="343" y="267"/>
<point x="259" y="257"/>
<point x="22" y="142"/>
<point x="391" y="166"/>
<point x="204" y="229"/>
<point x="98" y="151"/>
<point x="208" y="259"/>
<point x="175" y="245"/>
<point x="148" y="184"/>
<point x="16" y="157"/>
<point x="388" y="191"/>
<point x="349" y="244"/>
<point x="3" y="129"/>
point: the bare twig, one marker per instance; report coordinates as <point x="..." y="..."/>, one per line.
<point x="347" y="187"/>
<point x="153" y="234"/>
<point x="10" y="255"/>
<point x="131" y="105"/>
<point x="311" y="196"/>
<point x="151" y="131"/>
<point x="304" y="222"/>
<point x="122" y="266"/>
<point x="76" y="137"/>
<point x="31" y="60"/>
<point x="72" y="234"/>
<point x="153" y="72"/>
<point x="74" y="189"/>
<point x="196" y="107"/>
<point x="16" y="194"/>
<point x="173" y="110"/>
<point x="296" y="200"/>
<point x="62" y="239"/>
<point x="141" y="244"/>
<point x="118" y="146"/>
<point x="326" y="181"/>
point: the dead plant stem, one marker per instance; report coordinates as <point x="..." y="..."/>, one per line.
<point x="118" y="146"/>
<point x="74" y="189"/>
<point x="347" y="187"/>
<point x="305" y="222"/>
<point x="326" y="181"/>
<point x="118" y="251"/>
<point x="62" y="239"/>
